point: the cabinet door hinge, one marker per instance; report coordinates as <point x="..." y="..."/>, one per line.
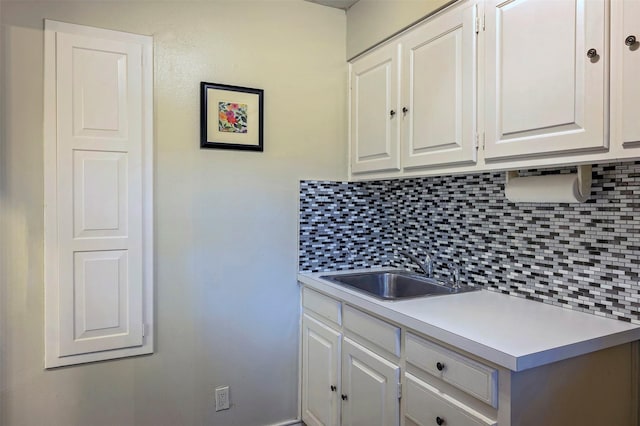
<point x="399" y="390"/>
<point x="479" y="20"/>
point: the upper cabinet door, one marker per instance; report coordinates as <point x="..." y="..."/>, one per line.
<point x="625" y="72"/>
<point x="545" y="77"/>
<point x="375" y="132"/>
<point x="439" y="90"/>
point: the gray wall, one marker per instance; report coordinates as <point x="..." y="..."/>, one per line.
<point x="225" y="251"/>
<point x="369" y="22"/>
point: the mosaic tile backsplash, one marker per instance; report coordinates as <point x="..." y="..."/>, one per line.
<point x="582" y="256"/>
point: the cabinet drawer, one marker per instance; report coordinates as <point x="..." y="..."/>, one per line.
<point x="322" y="305"/>
<point x="426" y="404"/>
<point x="379" y="332"/>
<point x="466" y="374"/>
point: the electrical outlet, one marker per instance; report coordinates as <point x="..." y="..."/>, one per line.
<point x="222" y="398"/>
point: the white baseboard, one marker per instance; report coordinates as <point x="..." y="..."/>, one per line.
<point x="288" y="423"/>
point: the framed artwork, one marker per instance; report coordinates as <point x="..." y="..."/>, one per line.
<point x="231" y="117"/>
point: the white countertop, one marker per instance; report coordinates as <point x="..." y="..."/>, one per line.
<point x="512" y="332"/>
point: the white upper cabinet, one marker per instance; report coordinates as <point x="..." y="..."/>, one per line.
<point x="420" y="112"/>
<point x="439" y="90"/>
<point x="98" y="206"/>
<point x="625" y="72"/>
<point x="375" y="131"/>
<point x="545" y="77"/>
<point x="500" y="84"/>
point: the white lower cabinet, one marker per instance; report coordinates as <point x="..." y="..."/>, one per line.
<point x="370" y="387"/>
<point x="351" y="372"/>
<point x="426" y="405"/>
<point x="451" y="389"/>
<point x="344" y="381"/>
<point x="360" y="369"/>
<point x="470" y="376"/>
<point x="321" y="360"/>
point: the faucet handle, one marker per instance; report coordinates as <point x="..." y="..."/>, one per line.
<point x="454" y="277"/>
<point x="428" y="264"/>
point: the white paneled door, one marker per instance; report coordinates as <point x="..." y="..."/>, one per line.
<point x="439" y="90"/>
<point x="375" y="128"/>
<point x="98" y="189"/>
<point x="545" y="77"/>
<point x="321" y="361"/>
<point x="625" y="72"/>
<point x="370" y="387"/>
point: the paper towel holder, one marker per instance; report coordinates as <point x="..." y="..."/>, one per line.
<point x="584" y="180"/>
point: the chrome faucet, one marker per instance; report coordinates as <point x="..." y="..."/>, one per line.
<point x="426" y="266"/>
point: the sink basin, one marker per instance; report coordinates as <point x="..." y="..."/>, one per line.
<point x="394" y="285"/>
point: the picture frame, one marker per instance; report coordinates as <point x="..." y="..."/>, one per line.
<point x="231" y="117"/>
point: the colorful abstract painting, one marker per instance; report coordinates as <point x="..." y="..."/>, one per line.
<point x="232" y="117"/>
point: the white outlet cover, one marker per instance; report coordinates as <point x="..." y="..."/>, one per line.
<point x="222" y="398"/>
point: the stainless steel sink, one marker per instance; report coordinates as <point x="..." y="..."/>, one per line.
<point x="394" y="285"/>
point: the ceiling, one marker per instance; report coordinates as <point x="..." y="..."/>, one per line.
<point x="339" y="4"/>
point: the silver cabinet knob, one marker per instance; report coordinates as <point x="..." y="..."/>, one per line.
<point x="592" y="53"/>
<point x="630" y="41"/>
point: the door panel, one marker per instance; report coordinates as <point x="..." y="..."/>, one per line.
<point x="100" y="303"/>
<point x="543" y="94"/>
<point x="425" y="404"/>
<point x="370" y="384"/>
<point x="525" y="65"/>
<point x="631" y="71"/>
<point x="440" y="95"/>
<point x="375" y="131"/>
<point x="100" y="202"/>
<point x="95" y="255"/>
<point x="625" y="68"/>
<point x="99" y="94"/>
<point x="320" y="366"/>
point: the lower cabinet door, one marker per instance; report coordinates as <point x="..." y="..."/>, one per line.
<point x="320" y="366"/>
<point x="370" y="387"/>
<point x="427" y="406"/>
